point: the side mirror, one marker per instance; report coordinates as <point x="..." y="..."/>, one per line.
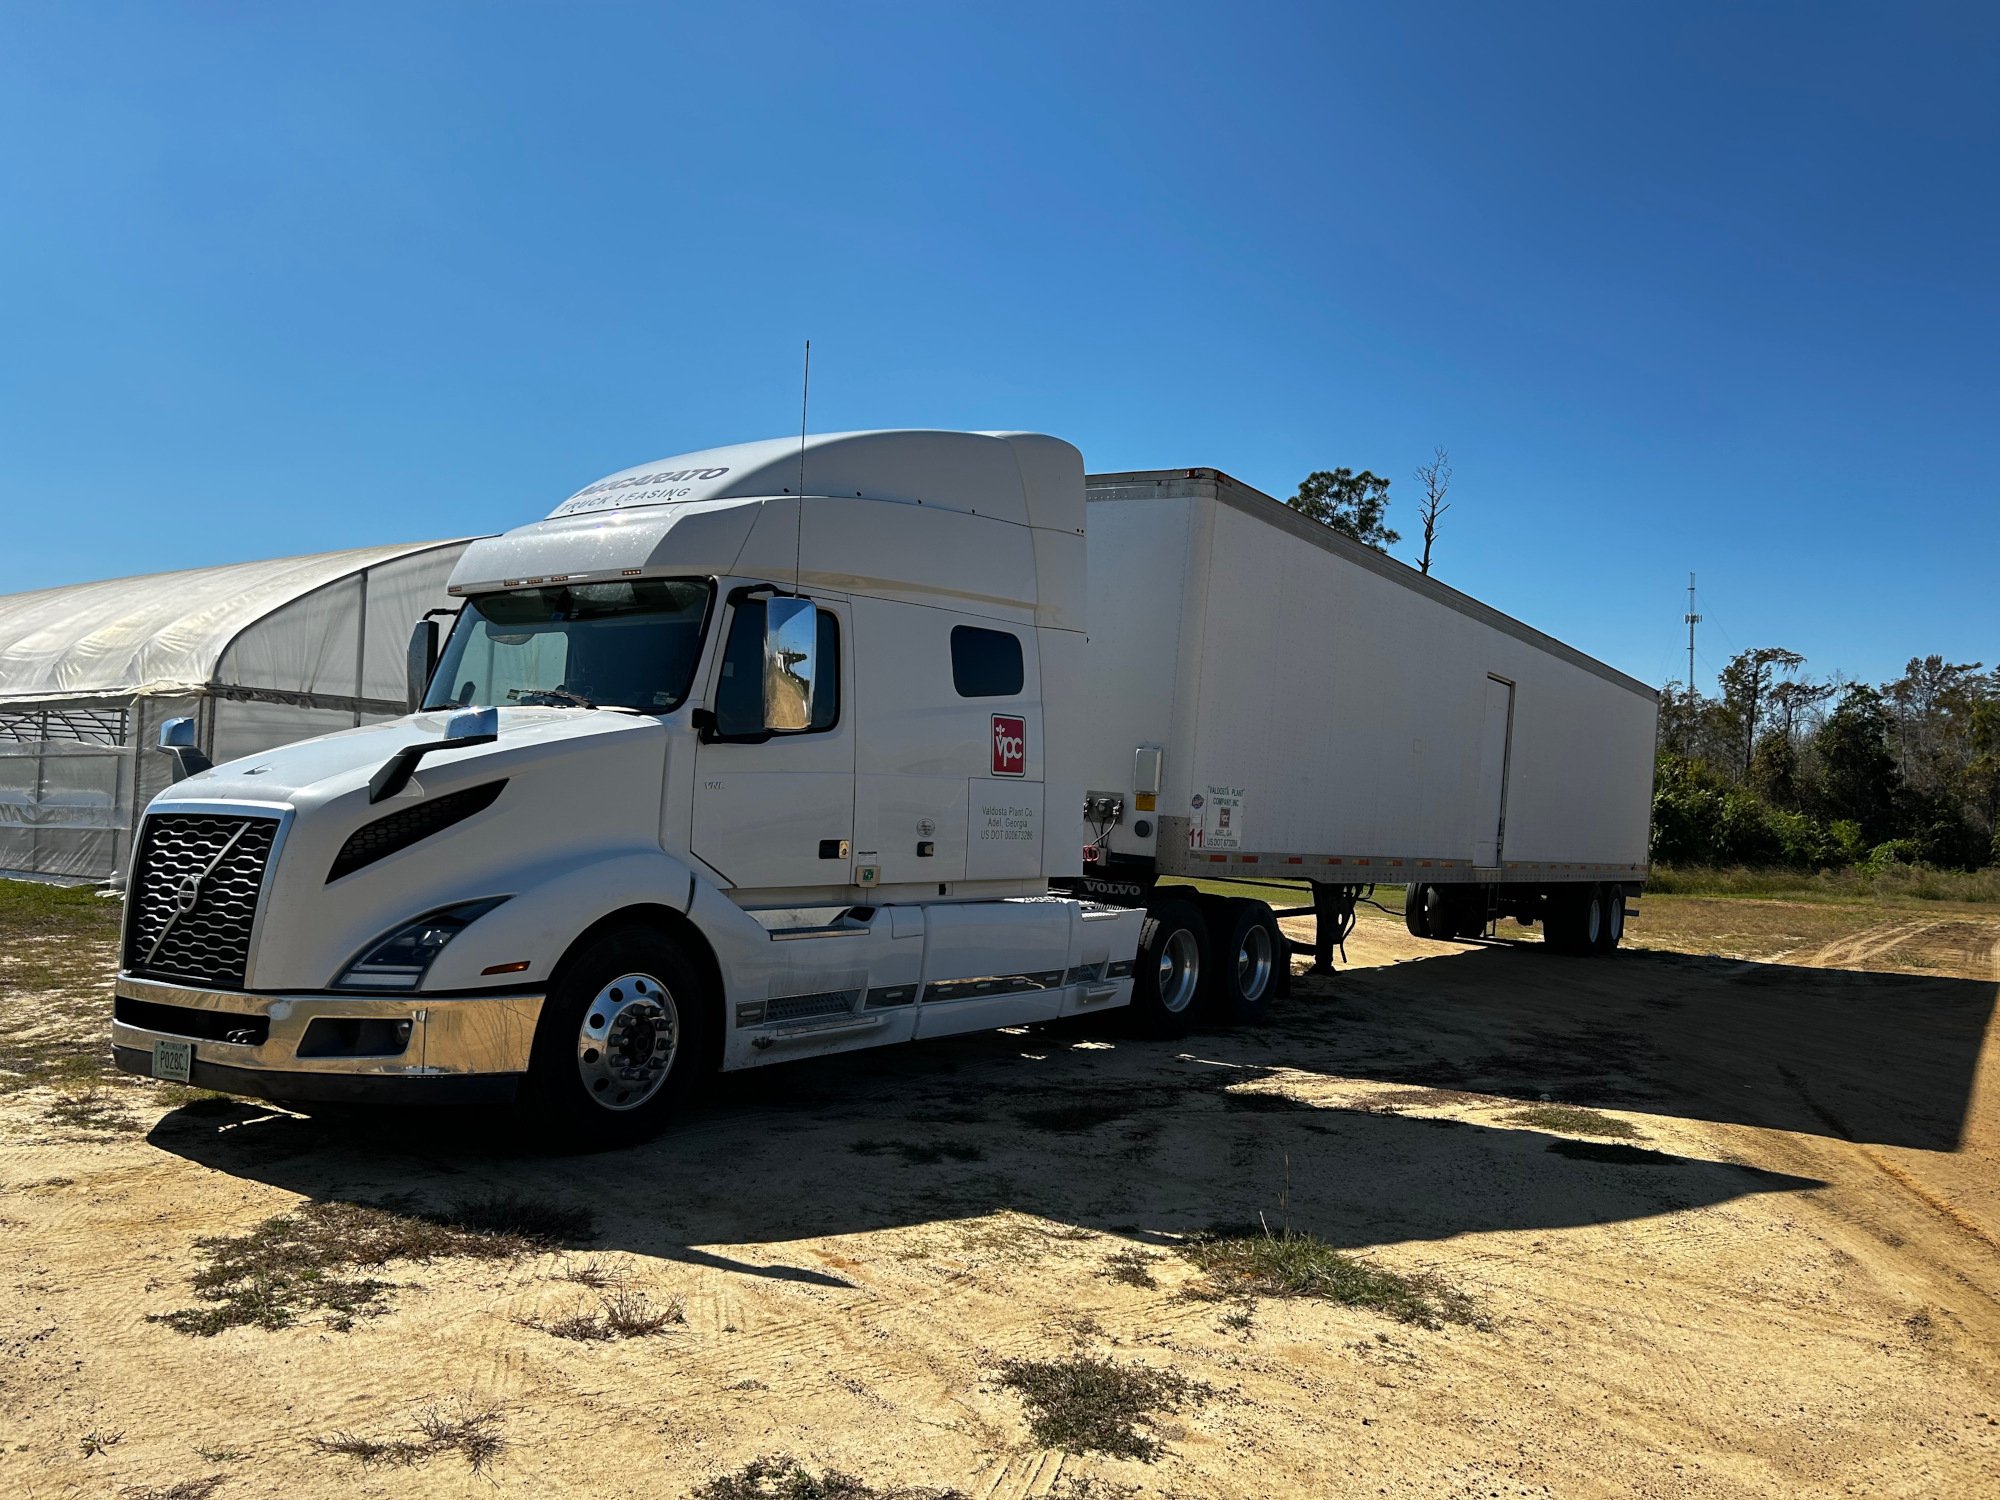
<point x="178" y="740"/>
<point x="791" y="640"/>
<point x="420" y="661"/>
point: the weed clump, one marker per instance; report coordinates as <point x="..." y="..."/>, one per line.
<point x="1302" y="1265"/>
<point x="1088" y="1405"/>
<point x="1575" y="1121"/>
<point x="1133" y="1267"/>
<point x="92" y="1112"/>
<point x="622" y="1315"/>
<point x="302" y="1261"/>
<point x="782" y="1477"/>
<point x="467" y="1431"/>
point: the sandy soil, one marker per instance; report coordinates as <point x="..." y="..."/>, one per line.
<point x="1795" y="1292"/>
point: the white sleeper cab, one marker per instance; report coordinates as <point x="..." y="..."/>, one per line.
<point x="784" y="749"/>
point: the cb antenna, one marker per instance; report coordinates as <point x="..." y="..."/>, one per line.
<point x="799" y="525"/>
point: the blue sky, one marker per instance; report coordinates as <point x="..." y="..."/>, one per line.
<point x="1679" y="286"/>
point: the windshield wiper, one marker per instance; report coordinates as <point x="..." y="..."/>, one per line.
<point x="565" y="695"/>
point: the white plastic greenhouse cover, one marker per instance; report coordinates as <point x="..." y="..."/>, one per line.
<point x="168" y="630"/>
<point x="259" y="653"/>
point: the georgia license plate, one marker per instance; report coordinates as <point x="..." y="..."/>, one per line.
<point x="172" y="1060"/>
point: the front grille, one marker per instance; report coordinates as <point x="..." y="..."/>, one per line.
<point x="185" y="1020"/>
<point x="194" y="896"/>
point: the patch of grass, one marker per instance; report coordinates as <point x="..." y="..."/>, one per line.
<point x="466" y="1430"/>
<point x="221" y="1455"/>
<point x="1568" y="1117"/>
<point x="622" y="1315"/>
<point x="782" y="1477"/>
<point x="187" y="1489"/>
<point x="1133" y="1267"/>
<point x="1292" y="1264"/>
<point x="923" y="1153"/>
<point x="1627" y="1156"/>
<point x="300" y="1262"/>
<point x="1897" y="883"/>
<point x="92" y="1112"/>
<point x="1088" y="1405"/>
<point x="1072" y="1119"/>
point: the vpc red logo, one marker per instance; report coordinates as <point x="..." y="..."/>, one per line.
<point x="1010" y="745"/>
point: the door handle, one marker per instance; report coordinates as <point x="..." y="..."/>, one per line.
<point x="833" y="848"/>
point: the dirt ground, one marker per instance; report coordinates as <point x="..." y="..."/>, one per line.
<point x="1786" y="1283"/>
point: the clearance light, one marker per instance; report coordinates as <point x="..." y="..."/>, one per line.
<point x="505" y="968"/>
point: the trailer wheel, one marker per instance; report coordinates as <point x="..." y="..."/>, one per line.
<point x="1249" y="954"/>
<point x="1413" y="909"/>
<point x="619" y="1042"/>
<point x="1167" y="975"/>
<point x="1613" y="930"/>
<point x="1575" y="921"/>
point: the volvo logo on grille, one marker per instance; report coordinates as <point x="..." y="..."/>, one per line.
<point x="186" y="894"/>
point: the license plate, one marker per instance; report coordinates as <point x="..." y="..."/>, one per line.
<point x="172" y="1060"/>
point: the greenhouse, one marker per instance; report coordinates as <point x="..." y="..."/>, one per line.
<point x="257" y="653"/>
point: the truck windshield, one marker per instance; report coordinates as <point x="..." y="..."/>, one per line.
<point x="585" y="645"/>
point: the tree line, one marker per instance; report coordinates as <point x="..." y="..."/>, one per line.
<point x="1779" y="769"/>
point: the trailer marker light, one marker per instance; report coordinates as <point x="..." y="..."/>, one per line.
<point x="630" y="572"/>
<point x="1144" y="802"/>
<point x="1218" y="859"/>
<point x="505" y="968"/>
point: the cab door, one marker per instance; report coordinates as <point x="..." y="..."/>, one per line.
<point x="775" y="810"/>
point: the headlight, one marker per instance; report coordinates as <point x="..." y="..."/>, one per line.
<point x="400" y="959"/>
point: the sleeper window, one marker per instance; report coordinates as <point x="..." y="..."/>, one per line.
<point x="985" y="663"/>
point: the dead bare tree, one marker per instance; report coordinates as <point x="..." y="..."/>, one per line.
<point x="1435" y="477"/>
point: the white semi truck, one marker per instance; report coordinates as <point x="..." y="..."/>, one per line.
<point x="784" y="749"/>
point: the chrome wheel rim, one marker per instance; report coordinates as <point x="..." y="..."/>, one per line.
<point x="1180" y="970"/>
<point x="1253" y="963"/>
<point x="1614" y="914"/>
<point x="626" y="1045"/>
<point x="1593" y="920"/>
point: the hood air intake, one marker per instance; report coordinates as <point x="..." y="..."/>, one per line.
<point x="409" y="825"/>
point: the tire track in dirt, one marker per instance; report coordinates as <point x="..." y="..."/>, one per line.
<point x="1859" y="949"/>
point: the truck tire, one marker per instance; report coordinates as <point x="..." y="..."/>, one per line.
<point x="1612" y="932"/>
<point x="1468" y="912"/>
<point x="1167" y="975"/>
<point x="621" y="1039"/>
<point x="1248" y="953"/>
<point x="1413" y="909"/>
<point x="1575" y="919"/>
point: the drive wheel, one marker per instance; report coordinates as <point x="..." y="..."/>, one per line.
<point x="1249" y="953"/>
<point x="1167" y="975"/>
<point x="619" y="1043"/>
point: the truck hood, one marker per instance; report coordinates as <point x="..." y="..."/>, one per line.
<point x="333" y="764"/>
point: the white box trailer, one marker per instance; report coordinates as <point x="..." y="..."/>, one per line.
<point x="780" y="749"/>
<point x="1273" y="700"/>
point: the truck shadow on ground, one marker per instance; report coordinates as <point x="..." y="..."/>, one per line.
<point x="1886" y="1058"/>
<point x="1332" y="1119"/>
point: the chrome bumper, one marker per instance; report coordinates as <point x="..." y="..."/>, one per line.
<point x="457" y="1038"/>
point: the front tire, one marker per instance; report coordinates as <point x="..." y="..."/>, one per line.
<point x="1167" y="976"/>
<point x="620" y="1041"/>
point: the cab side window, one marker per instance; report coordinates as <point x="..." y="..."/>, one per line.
<point x="739" y="696"/>
<point x="985" y="663"/>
